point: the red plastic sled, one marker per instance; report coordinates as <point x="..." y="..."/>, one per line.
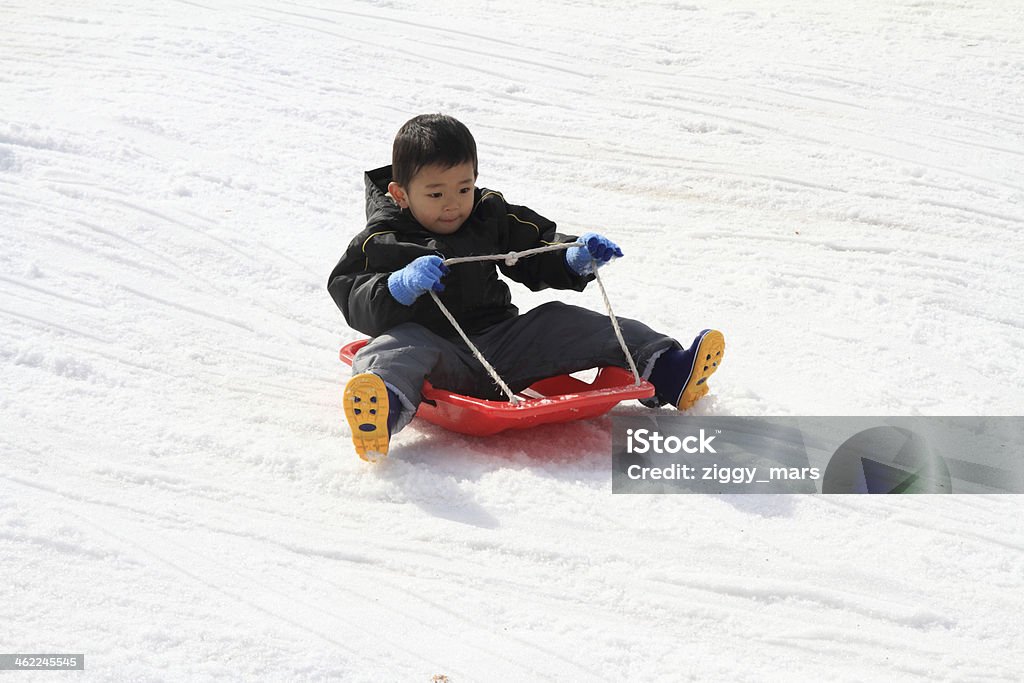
<point x="555" y="399"/>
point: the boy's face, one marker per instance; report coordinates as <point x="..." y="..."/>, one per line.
<point x="440" y="199"/>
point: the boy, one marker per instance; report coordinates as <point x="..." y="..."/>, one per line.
<point x="425" y="208"/>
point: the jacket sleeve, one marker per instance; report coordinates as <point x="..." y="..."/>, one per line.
<point x="527" y="229"/>
<point x="362" y="294"/>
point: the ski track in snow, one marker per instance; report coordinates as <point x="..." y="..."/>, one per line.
<point x="839" y="189"/>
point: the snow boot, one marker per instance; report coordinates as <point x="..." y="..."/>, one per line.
<point x="680" y="377"/>
<point x="372" y="412"/>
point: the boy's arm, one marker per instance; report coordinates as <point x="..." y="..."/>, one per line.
<point x="363" y="296"/>
<point x="527" y="229"/>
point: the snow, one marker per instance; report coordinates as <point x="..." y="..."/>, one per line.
<point x="839" y="188"/>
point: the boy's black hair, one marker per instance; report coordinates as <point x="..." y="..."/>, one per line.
<point x="430" y="139"/>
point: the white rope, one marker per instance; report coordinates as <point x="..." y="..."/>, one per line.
<point x="510" y="259"/>
<point x="615" y="326"/>
<point x="476" y="352"/>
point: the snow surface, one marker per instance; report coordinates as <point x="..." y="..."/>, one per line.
<point x="839" y="188"/>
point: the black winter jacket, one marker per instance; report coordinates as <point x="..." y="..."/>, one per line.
<point x="474" y="293"/>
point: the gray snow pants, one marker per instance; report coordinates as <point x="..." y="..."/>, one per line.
<point x="552" y="339"/>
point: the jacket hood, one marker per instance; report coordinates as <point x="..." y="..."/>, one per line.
<point x="379" y="206"/>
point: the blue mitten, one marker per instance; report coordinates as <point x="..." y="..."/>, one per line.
<point x="593" y="249"/>
<point x="423" y="274"/>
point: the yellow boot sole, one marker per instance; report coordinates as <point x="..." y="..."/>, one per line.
<point x="366" y="409"/>
<point x="706" y="360"/>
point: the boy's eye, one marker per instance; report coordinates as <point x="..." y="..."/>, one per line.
<point x="438" y="195"/>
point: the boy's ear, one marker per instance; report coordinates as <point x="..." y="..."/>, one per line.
<point x="396" y="191"/>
